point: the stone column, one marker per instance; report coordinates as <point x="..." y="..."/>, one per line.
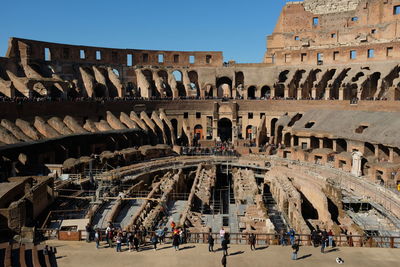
<point x="341" y="94"/>
<point x="356" y="163"/>
<point x="327" y="93"/>
<point x="299" y="93"/>
<point x="321" y="143"/>
<point x="314" y="92"/>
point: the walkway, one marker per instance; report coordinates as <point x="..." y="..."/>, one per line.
<point x="196" y="255"/>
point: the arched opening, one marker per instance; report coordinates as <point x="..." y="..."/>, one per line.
<point x="273" y="123"/>
<point x="365" y="166"/>
<point x="314" y="141"/>
<point x="55" y="93"/>
<point x="251" y="92"/>
<point x="307" y="209"/>
<point x="179" y="82"/>
<point x="167" y="89"/>
<point x="194" y="82"/>
<point x="283" y="76"/>
<point x="99" y="91"/>
<point x="279" y="134"/>
<point x="224" y="87"/>
<point x="239" y="79"/>
<point x="174" y="123"/>
<point x="334" y="211"/>
<point x="341" y="145"/>
<point x="327" y="143"/>
<point x="198" y="132"/>
<point x="369" y="150"/>
<point x="249" y="132"/>
<point x="225" y="129"/>
<point x="384" y="152"/>
<point x="177" y="75"/>
<point x="266" y="92"/>
<point x="287" y="139"/>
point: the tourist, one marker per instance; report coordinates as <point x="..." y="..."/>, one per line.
<point x="330" y="238"/>
<point x="130" y="241"/>
<point x="136" y="242"/>
<point x="252" y="241"/>
<point x="283" y="238"/>
<point x="110" y="237"/>
<point x="350" y="240"/>
<point x="295" y="248"/>
<point x="223" y="261"/>
<point x="172" y="226"/>
<point x="154" y="241"/>
<point x="292" y="236"/>
<point x="323" y="243"/>
<point x="222" y="234"/>
<point x="175" y="241"/>
<point x="119" y="242"/>
<point x="88" y="232"/>
<point x="97" y="238"/>
<point x="325" y="236"/>
<point x="314" y="238"/>
<point x="210" y="243"/>
<point x="224" y="245"/>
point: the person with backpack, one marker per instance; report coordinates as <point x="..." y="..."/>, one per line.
<point x="210" y="243"/>
<point x="252" y="241"/>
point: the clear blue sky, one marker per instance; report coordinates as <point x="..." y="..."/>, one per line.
<point x="238" y="28"/>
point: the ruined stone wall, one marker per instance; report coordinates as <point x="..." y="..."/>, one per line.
<point x="319" y="32"/>
<point x="332" y="6"/>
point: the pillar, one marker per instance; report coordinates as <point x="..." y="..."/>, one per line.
<point x="341" y="94"/>
<point x="356" y="163"/>
<point x="299" y="93"/>
<point x="314" y="93"/>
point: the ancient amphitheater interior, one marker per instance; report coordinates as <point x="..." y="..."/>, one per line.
<point x="308" y="139"/>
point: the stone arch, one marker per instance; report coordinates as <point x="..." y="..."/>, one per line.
<point x="287" y="139"/>
<point x="225" y="129"/>
<point x="251" y="92"/>
<point x="164" y="76"/>
<point x="369" y="150"/>
<point x="220" y="82"/>
<point x="179" y="82"/>
<point x="273" y="124"/>
<point x="198" y="132"/>
<point x="249" y="132"/>
<point x="279" y="135"/>
<point x="266" y="92"/>
<point x="239" y="78"/>
<point x="99" y="91"/>
<point x="194" y="81"/>
<point x="341" y="145"/>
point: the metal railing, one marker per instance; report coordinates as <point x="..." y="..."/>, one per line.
<point x="261" y="239"/>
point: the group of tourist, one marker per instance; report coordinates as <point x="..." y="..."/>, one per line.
<point x="137" y="238"/>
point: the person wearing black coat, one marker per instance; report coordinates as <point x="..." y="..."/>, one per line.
<point x="175" y="242"/>
<point x="210" y="243"/>
<point x="252" y="241"/>
<point x="224" y="245"/>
